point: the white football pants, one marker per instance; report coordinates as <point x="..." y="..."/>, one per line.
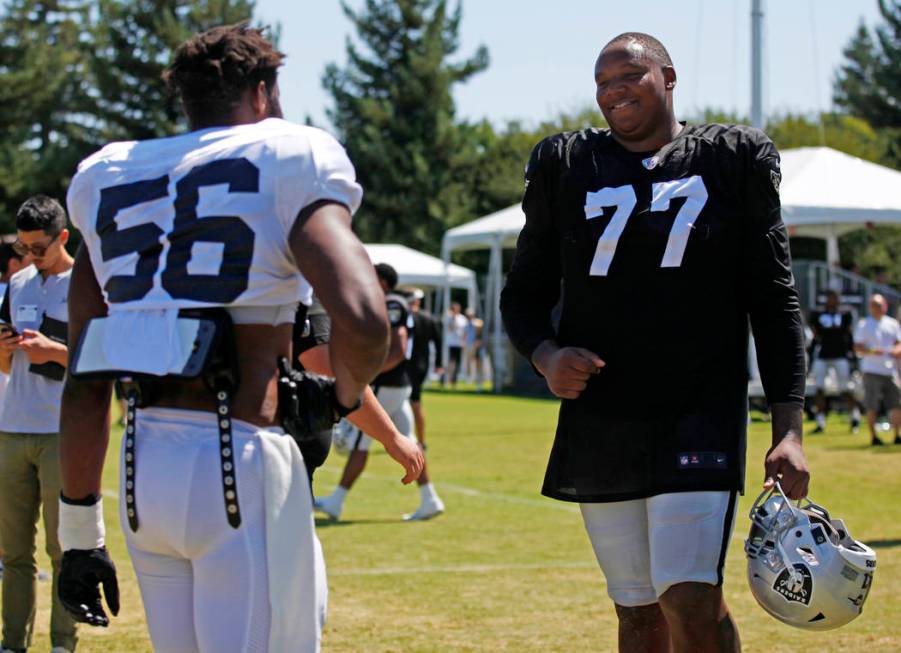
<point x="206" y="585"/>
<point x="645" y="546"/>
<point x="396" y="402"/>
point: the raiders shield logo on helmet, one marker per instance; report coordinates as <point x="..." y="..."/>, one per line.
<point x="795" y="584"/>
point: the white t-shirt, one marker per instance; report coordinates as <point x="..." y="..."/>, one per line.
<point x="882" y="334"/>
<point x="456" y="330"/>
<point x="32" y="399"/>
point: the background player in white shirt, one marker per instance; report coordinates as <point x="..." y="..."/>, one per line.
<point x="877" y="340"/>
<point x="240" y="212"/>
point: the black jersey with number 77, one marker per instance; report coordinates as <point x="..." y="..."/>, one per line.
<point x="663" y="259"/>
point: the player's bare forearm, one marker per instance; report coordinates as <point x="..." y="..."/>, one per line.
<point x="787" y="422"/>
<point x="785" y="461"/>
<point x="84" y="436"/>
<point x="84" y="413"/>
<point x="335" y="262"/>
<point x="371" y="418"/>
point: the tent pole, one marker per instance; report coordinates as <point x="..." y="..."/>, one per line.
<point x="445" y="303"/>
<point x="832" y="255"/>
<point x="499" y="361"/>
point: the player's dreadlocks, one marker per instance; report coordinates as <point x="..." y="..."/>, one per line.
<point x="652" y="46"/>
<point x="212" y="69"/>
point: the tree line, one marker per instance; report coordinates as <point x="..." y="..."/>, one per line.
<point x="76" y="74"/>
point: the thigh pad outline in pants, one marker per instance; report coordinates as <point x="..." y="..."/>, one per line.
<point x="619" y="535"/>
<point x="689" y="534"/>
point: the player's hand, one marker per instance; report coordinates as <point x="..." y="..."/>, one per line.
<point x="9" y="341"/>
<point x="38" y="347"/>
<point x="566" y="369"/>
<point x="81" y="574"/>
<point x="786" y="463"/>
<point x="408" y="455"/>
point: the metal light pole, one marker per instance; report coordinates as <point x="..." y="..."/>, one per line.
<point x="757" y="63"/>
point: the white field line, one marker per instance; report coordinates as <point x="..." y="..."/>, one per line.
<point x="472" y="492"/>
<point x="461" y="569"/>
<point x="466" y="491"/>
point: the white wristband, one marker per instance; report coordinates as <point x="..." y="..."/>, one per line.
<point x="81" y="527"/>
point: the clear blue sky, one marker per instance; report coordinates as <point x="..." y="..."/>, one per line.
<point x="543" y="51"/>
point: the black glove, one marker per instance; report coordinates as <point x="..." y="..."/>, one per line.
<point x="80" y="575"/>
<point x="307" y="405"/>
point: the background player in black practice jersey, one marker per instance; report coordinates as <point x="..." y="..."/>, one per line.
<point x="392" y="389"/>
<point x="667" y="239"/>
<point x="312" y="329"/>
<point x="427" y="330"/>
<point x="833" y="348"/>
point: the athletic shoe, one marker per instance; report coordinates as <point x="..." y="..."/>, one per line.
<point x="59" y="649"/>
<point x="876" y="442"/>
<point x="897" y="441"/>
<point x="330" y="506"/>
<point x="426" y="510"/>
<point x="818" y="429"/>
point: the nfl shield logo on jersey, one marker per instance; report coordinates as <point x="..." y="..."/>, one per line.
<point x="651" y="162"/>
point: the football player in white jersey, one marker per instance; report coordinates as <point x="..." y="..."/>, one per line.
<point x="245" y="212"/>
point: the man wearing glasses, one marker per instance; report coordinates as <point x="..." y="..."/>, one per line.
<point x="33" y="351"/>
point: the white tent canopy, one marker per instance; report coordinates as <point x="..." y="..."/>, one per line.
<point x="415" y="268"/>
<point x="825" y="193"/>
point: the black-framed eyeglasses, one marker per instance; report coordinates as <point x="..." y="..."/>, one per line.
<point x="37" y="251"/>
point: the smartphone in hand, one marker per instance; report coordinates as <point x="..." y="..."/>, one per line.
<point x="8" y="329"/>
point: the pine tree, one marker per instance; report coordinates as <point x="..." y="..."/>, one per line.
<point x="76" y="74"/>
<point x="394" y="111"/>
<point x="868" y="84"/>
<point x="133" y="43"/>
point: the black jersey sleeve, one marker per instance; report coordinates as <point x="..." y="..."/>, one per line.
<point x="773" y="304"/>
<point x="312" y="327"/>
<point x="533" y="284"/>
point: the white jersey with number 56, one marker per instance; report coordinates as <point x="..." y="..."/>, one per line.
<point x="202" y="219"/>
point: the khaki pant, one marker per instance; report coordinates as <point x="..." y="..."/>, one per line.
<point x="29" y="477"/>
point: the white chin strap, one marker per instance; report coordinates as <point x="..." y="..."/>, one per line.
<point x="81" y="527"/>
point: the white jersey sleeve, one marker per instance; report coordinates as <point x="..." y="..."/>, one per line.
<point x="312" y="169"/>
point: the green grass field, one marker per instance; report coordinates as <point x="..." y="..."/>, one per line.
<point x="505" y="570"/>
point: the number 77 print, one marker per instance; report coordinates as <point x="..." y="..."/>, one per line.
<point x="624" y="199"/>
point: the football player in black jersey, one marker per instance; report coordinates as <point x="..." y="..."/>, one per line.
<point x="312" y="330"/>
<point x="833" y="347"/>
<point x="392" y="389"/>
<point x="668" y="241"/>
